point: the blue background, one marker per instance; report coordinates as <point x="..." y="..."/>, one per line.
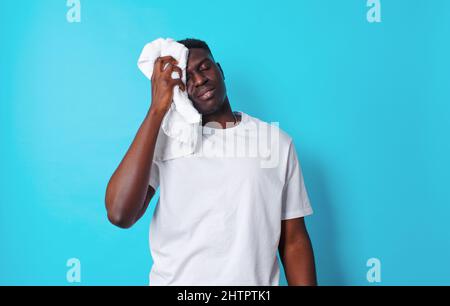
<point x="367" y="106"/>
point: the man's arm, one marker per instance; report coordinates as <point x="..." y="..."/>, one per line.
<point x="128" y="193"/>
<point x="296" y="253"/>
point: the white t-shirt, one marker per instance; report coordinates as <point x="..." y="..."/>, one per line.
<point x="218" y="218"/>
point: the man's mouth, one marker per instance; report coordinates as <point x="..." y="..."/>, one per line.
<point x="206" y="94"/>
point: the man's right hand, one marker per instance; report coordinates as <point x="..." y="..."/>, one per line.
<point x="163" y="83"/>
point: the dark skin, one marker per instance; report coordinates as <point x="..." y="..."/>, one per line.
<point x="128" y="193"/>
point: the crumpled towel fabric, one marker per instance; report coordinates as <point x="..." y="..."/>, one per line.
<point x="181" y="126"/>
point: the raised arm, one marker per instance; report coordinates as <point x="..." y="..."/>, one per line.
<point x="128" y="192"/>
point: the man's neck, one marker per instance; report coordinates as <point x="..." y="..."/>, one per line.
<point x="223" y="116"/>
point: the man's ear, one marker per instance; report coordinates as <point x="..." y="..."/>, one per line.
<point x="221" y="70"/>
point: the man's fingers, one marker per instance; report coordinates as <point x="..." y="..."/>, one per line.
<point x="167" y="65"/>
<point x="177" y="69"/>
<point x="159" y="62"/>
<point x="165" y="62"/>
<point x="180" y="83"/>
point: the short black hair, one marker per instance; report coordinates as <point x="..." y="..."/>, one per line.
<point x="191" y="43"/>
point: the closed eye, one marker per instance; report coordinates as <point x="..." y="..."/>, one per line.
<point x="205" y="66"/>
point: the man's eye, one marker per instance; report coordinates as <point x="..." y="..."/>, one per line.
<point x="204" y="68"/>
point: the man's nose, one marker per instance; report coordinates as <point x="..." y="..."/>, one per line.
<point x="199" y="79"/>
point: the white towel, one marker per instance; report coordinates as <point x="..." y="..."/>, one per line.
<point x="181" y="126"/>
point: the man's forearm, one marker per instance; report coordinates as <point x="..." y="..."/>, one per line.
<point x="127" y="189"/>
<point x="299" y="266"/>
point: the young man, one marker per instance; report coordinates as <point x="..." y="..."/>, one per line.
<point x="219" y="220"/>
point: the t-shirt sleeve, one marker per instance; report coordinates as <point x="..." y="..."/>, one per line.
<point x="295" y="197"/>
<point x="154" y="176"/>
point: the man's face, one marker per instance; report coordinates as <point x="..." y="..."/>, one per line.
<point x="204" y="82"/>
